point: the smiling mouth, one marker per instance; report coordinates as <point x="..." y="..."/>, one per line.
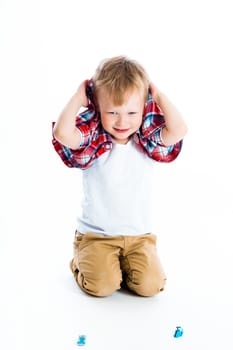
<point x="121" y="131"/>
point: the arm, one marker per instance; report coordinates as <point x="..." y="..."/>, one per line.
<point x="176" y="127"/>
<point x="65" y="130"/>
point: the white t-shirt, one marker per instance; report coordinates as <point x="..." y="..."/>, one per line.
<point x="118" y="193"/>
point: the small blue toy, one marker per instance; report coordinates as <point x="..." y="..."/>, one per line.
<point x="178" y="332"/>
<point x="81" y="341"/>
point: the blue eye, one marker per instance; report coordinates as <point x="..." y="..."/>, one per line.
<point x="131" y="113"/>
<point x="113" y="113"/>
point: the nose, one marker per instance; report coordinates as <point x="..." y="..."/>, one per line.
<point x="121" y="121"/>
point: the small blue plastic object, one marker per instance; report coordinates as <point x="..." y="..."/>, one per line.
<point x="81" y="340"/>
<point x="178" y="332"/>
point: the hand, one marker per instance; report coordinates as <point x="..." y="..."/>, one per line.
<point x="81" y="94"/>
<point x="154" y="92"/>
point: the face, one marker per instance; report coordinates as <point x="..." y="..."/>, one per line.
<point x="124" y="120"/>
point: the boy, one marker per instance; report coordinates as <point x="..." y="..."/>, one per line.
<point x="128" y="125"/>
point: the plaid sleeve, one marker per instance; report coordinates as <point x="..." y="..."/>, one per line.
<point x="94" y="142"/>
<point x="69" y="156"/>
<point x="149" y="136"/>
<point x="160" y="152"/>
<point x="87" y="124"/>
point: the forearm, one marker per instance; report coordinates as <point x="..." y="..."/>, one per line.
<point x="65" y="130"/>
<point x="176" y="127"/>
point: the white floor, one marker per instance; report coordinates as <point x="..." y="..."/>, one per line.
<point x="41" y="306"/>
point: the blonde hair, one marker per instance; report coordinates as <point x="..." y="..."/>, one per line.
<point x="118" y="75"/>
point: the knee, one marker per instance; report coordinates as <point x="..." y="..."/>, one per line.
<point x="100" y="287"/>
<point x="150" y="288"/>
<point x="147" y="285"/>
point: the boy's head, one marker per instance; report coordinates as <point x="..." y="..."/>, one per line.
<point x="118" y="76"/>
<point x="120" y="91"/>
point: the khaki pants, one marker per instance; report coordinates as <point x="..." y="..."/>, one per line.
<point x="101" y="263"/>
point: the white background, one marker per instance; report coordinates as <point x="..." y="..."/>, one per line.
<point x="47" y="49"/>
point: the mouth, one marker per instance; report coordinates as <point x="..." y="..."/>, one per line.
<point x="121" y="131"/>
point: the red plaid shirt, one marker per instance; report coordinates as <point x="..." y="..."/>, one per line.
<point x="95" y="140"/>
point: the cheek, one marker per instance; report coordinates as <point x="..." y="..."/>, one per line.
<point x="138" y="122"/>
<point x="106" y="122"/>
